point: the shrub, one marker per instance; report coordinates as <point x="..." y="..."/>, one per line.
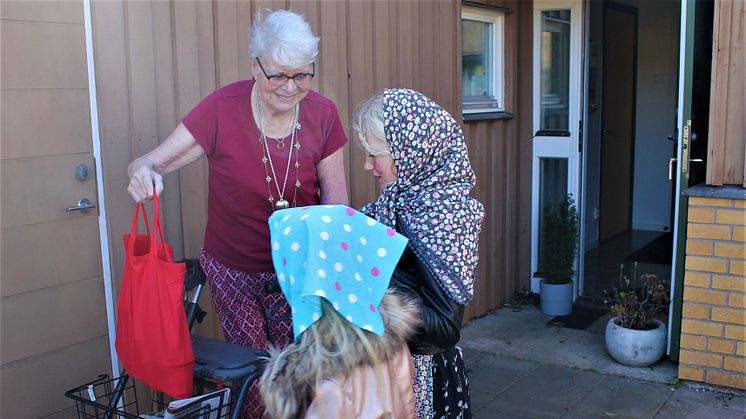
<point x="638" y="301"/>
<point x="560" y="241"/>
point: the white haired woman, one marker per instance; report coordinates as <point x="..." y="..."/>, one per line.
<point x="271" y="143"/>
<point x="417" y="151"/>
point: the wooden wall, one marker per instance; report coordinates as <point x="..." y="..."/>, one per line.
<point x="155" y="61"/>
<point x="501" y="155"/>
<point x="726" y="162"/>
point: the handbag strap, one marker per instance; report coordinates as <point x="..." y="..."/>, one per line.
<point x="158" y="228"/>
<point x="139" y="207"/>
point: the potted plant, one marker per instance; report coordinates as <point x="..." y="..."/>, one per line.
<point x="560" y="243"/>
<point x="633" y="335"/>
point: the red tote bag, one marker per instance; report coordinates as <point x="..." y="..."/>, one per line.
<point x="153" y="339"/>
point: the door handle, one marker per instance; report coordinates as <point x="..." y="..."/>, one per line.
<point x="671" y="162"/>
<point x="84" y="205"/>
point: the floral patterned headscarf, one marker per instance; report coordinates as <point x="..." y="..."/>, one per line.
<point x="430" y="198"/>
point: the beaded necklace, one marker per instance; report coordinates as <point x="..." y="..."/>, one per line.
<point x="281" y="203"/>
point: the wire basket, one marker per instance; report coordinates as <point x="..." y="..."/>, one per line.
<point x="93" y="399"/>
<point x="117" y="398"/>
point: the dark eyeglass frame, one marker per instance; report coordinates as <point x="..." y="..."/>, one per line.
<point x="280" y="79"/>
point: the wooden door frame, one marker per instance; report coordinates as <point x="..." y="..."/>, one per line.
<point x="103" y="229"/>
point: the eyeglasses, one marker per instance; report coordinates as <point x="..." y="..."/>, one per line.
<point x="277" y="80"/>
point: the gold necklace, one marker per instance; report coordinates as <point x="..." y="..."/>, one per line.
<point x="280" y="142"/>
<point x="281" y="203"/>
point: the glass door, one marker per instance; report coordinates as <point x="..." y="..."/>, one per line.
<point x="557" y="89"/>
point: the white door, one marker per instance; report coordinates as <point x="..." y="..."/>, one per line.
<point x="557" y="77"/>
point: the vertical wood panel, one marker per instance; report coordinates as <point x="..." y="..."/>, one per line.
<point x="114" y="127"/>
<point x="166" y="116"/>
<point x="425" y="82"/>
<point x="726" y="163"/>
<point x="405" y="47"/>
<point x="227" y="51"/>
<point x="360" y="48"/>
<point x="191" y="89"/>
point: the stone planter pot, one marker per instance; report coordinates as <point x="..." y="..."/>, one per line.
<point x="556" y="299"/>
<point x="637" y="348"/>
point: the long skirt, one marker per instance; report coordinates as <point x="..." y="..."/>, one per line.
<point x="441" y="388"/>
<point x="240" y="301"/>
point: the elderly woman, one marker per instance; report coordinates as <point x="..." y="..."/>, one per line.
<point x="271" y="143"/>
<point x="417" y="152"/>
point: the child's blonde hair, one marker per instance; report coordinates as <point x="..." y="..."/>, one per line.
<point x="332" y="347"/>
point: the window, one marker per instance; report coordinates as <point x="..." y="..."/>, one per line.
<point x="555" y="71"/>
<point x="482" y="56"/>
<point x="552" y="191"/>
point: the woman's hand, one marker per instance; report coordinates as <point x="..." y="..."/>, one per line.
<point x="179" y="149"/>
<point x="142" y="180"/>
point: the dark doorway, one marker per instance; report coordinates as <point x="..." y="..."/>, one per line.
<point x="618" y="128"/>
<point x="632" y="98"/>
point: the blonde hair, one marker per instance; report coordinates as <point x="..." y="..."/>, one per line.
<point x="333" y="347"/>
<point x="284" y="36"/>
<point x="369" y="115"/>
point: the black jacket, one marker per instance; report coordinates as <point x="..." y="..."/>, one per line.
<point x="442" y="317"/>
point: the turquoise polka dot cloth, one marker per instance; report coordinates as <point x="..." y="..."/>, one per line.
<point x="337" y="253"/>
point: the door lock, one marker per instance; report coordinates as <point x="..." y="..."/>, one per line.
<point x="82" y="172"/>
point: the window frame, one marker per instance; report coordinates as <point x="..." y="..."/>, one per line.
<point x="497" y="19"/>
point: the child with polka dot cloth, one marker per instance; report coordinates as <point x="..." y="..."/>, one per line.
<point x="350" y="358"/>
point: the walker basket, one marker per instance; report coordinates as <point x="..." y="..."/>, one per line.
<point x="92" y="399"/>
<point x="102" y="398"/>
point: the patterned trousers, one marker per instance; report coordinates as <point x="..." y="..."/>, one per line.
<point x="240" y="301"/>
<point x="441" y="387"/>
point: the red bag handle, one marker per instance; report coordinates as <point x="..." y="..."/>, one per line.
<point x="157" y="225"/>
<point x="158" y="228"/>
<point x="133" y="228"/>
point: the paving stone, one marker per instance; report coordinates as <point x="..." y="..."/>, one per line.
<point x="515" y="412"/>
<point x="546" y="390"/>
<point x="624" y="397"/>
<point x="683" y="408"/>
<point x="479" y="399"/>
<point x="712" y="397"/>
<point x="492" y="373"/>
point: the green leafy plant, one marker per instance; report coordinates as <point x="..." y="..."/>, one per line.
<point x="637" y="301"/>
<point x="560" y="241"/>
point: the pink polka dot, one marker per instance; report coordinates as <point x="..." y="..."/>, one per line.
<point x="338" y="286"/>
<point x="350" y="211"/>
<point x="391" y="231"/>
<point x="374" y="271"/>
<point x="344" y="246"/>
<point x="284" y="262"/>
<point x="372" y="308"/>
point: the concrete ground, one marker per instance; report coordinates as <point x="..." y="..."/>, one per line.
<point x="520" y="367"/>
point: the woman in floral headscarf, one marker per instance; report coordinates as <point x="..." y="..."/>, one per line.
<point x="417" y="151"/>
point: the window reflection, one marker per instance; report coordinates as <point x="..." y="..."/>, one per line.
<point x="552" y="192"/>
<point x="555" y="70"/>
<point x="477" y="58"/>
